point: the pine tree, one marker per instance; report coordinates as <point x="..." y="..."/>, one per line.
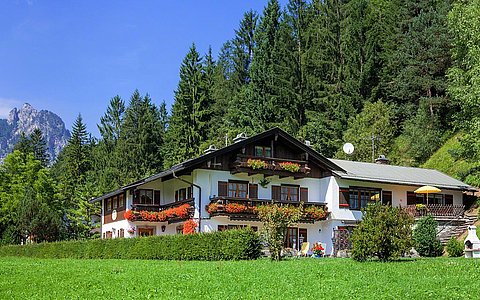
<point x="260" y="95"/>
<point x="39" y="147"/>
<point x="243" y="45"/>
<point x="141" y="138"/>
<point x="187" y="125"/>
<point x="111" y="121"/>
<point x="77" y="152"/>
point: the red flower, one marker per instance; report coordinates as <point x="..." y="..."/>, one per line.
<point x="128" y="214"/>
<point x="189" y="227"/>
<point x="233" y="208"/>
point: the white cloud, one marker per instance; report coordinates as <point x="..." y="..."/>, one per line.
<point x="6" y="105"/>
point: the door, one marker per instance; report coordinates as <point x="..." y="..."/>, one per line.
<point x="302" y="236"/>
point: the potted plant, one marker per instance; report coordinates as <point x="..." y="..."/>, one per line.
<point x="256" y="164"/>
<point x="318" y="250"/>
<point x="290" y="166"/>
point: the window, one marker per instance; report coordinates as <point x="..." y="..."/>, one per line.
<point x="183" y="194"/>
<point x="146" y="197"/>
<point x="343" y="198"/>
<point x="360" y="197"/>
<point x="146" y="231"/>
<point x="115" y="202"/>
<point x="263" y="151"/>
<point x="289" y="193"/>
<point x="121" y="233"/>
<point x="440" y="199"/>
<point x="237" y="189"/>
<point x="143" y="197"/>
<point x="108" y="235"/>
<point x="121" y="200"/>
<point x="387" y="198"/>
<point x="448" y="199"/>
<point x="109" y="204"/>
<point x="295" y="237"/>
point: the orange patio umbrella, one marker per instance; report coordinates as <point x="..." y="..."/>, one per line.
<point x="427" y="189"/>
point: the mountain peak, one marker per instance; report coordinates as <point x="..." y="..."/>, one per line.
<point x="25" y="120"/>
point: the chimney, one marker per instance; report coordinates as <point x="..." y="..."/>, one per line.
<point x="240" y="137"/>
<point x="382" y="160"/>
<point x="210" y="149"/>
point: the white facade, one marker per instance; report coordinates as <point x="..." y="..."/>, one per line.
<point x="322" y="190"/>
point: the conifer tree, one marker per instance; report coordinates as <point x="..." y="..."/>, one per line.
<point x="187" y="125"/>
<point x="141" y="138"/>
<point x="39" y="147"/>
<point x="261" y="90"/>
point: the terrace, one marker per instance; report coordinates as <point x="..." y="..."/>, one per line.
<point x="436" y="210"/>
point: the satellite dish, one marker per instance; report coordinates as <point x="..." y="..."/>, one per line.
<point x="348" y="148"/>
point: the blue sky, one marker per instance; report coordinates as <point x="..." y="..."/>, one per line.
<point x="71" y="57"/>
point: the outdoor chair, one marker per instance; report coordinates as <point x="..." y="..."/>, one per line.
<point x="304" y="249"/>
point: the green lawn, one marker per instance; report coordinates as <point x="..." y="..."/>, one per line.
<point x="441" y="278"/>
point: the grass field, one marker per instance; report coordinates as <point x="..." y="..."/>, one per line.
<point x="441" y="278"/>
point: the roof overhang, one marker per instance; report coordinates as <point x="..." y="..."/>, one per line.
<point x="464" y="188"/>
<point x="235" y="146"/>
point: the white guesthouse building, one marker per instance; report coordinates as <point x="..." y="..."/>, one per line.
<point x="221" y="189"/>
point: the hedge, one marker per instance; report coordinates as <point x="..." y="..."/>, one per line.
<point x="221" y="245"/>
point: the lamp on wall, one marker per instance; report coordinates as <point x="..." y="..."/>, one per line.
<point x="163" y="228"/>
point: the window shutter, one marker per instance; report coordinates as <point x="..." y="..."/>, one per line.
<point x="343" y="198"/>
<point x="189" y="193"/>
<point x="276" y="192"/>
<point x="304" y="194"/>
<point x="448" y="199"/>
<point x="176" y="196"/>
<point x="222" y="188"/>
<point x="156" y="197"/>
<point x="253" y="191"/>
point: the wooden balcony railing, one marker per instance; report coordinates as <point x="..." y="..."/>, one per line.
<point x="245" y="209"/>
<point x="269" y="165"/>
<point x="171" y="212"/>
<point x="435" y="210"/>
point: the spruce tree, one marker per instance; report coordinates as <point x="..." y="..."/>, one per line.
<point x="39" y="147"/>
<point x="260" y="95"/>
<point x="141" y="139"/>
<point x="187" y="126"/>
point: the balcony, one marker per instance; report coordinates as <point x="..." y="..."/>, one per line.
<point x="270" y="166"/>
<point x="243" y="209"/>
<point x="172" y="212"/>
<point x="437" y="211"/>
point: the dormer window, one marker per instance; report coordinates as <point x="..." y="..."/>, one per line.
<point x="263" y="151"/>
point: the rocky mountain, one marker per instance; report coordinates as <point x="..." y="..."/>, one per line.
<point x="26" y="119"/>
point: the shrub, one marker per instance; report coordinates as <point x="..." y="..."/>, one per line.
<point x="220" y="245"/>
<point x="276" y="219"/>
<point x="385" y="232"/>
<point x="454" y="248"/>
<point x="425" y="237"/>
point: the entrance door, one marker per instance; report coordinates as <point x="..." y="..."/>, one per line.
<point x="302" y="237"/>
<point x="294" y="237"/>
<point x="145" y="231"/>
